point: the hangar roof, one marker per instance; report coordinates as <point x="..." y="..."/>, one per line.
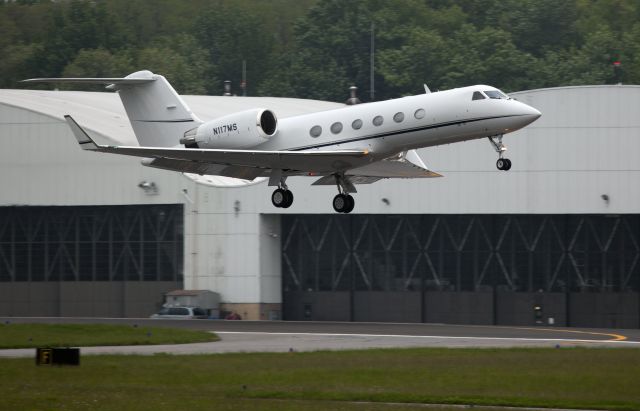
<point x="102" y="113"/>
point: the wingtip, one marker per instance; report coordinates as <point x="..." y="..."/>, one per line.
<point x="84" y="140"/>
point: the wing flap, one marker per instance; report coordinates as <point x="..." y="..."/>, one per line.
<point x="406" y="165"/>
<point x="196" y="167"/>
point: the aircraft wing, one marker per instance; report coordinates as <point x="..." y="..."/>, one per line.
<point x="405" y="165"/>
<point x="234" y="161"/>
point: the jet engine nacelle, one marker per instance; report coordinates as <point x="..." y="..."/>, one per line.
<point x="235" y="131"/>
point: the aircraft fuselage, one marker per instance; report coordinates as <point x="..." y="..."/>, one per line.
<point x="388" y="127"/>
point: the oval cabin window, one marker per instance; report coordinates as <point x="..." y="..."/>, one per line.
<point x="315" y="131"/>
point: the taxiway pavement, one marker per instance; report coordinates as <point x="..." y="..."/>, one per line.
<point x="286" y="336"/>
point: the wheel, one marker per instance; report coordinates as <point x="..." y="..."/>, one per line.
<point x="507" y="165"/>
<point x="340" y="203"/>
<point x="278" y="198"/>
<point x="500" y="164"/>
<point x="350" y="204"/>
<point x="288" y="199"/>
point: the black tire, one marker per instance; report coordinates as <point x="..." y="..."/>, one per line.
<point x="350" y="204"/>
<point x="507" y="165"/>
<point x="278" y="198"/>
<point x="500" y="164"/>
<point x="288" y="199"/>
<point x="340" y="203"/>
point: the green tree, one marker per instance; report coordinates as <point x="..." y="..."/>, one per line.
<point x="630" y="56"/>
<point x="15" y="64"/>
<point x="231" y="34"/>
<point x="180" y="60"/>
<point x="301" y="77"/>
<point x="589" y="64"/>
<point x="421" y="59"/>
<point x="486" y="56"/>
<point x="97" y="63"/>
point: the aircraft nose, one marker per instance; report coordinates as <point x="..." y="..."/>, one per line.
<point x="531" y="112"/>
<point x="527" y="113"/>
<point x="534" y="112"/>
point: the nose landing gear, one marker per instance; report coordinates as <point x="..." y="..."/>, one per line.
<point x="503" y="164"/>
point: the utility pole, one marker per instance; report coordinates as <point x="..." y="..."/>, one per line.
<point x="244" y="78"/>
<point x="372" y="85"/>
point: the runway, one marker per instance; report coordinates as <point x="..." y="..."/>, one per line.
<point x="285" y="336"/>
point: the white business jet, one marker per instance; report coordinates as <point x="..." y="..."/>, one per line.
<point x="352" y="145"/>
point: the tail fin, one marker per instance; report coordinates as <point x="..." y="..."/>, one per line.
<point x="157" y="113"/>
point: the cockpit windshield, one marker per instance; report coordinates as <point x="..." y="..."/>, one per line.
<point x="496" y="94"/>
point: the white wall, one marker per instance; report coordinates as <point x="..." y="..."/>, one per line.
<point x="225" y="251"/>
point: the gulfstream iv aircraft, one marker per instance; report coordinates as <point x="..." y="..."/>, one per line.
<point x="352" y="145"/>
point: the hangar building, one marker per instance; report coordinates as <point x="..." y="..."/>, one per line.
<point x="555" y="241"/>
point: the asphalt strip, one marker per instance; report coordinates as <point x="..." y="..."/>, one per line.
<point x="248" y="341"/>
<point x="430" y="337"/>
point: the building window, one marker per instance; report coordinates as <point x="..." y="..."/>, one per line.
<point x="357" y="124"/>
<point x="336" y="127"/>
<point x="315" y="131"/>
<point x="398" y="117"/>
<point x="92" y="243"/>
<point x="378" y="120"/>
<point x="419" y="114"/>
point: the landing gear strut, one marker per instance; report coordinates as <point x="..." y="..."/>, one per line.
<point x="343" y="202"/>
<point x="282" y="197"/>
<point x="503" y="164"/>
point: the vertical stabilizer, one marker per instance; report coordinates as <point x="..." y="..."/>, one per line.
<point x="158" y="115"/>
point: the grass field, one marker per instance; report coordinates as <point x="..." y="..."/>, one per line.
<point x="564" y="378"/>
<point x="86" y="335"/>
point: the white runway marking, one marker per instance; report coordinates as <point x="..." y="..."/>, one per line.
<point x="426" y="337"/>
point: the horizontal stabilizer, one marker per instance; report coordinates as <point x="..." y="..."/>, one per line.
<point x="85" y="80"/>
<point x="137" y="78"/>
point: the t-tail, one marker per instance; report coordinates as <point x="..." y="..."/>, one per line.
<point x="157" y="113"/>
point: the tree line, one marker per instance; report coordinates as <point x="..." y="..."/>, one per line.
<point x="318" y="48"/>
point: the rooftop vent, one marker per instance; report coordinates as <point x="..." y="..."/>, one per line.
<point x="353" y="97"/>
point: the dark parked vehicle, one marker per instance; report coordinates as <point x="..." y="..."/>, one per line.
<point x="184" y="313"/>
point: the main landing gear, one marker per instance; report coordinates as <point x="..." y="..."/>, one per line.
<point x="282" y="197"/>
<point x="343" y="202"/>
<point x="503" y="164"/>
